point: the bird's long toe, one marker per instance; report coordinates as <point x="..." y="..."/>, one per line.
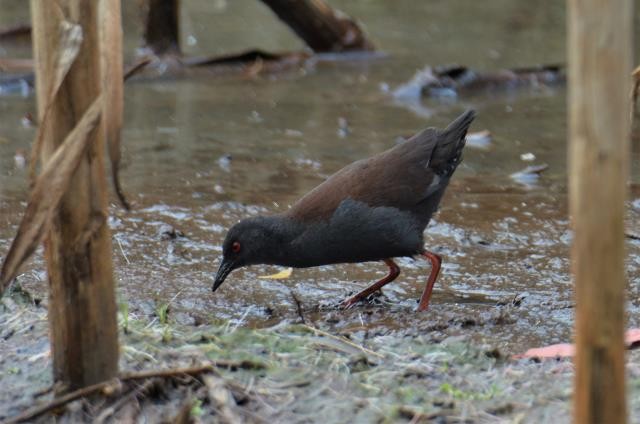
<point x="349" y="302"/>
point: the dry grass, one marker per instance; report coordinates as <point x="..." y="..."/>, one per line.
<point x="295" y="373"/>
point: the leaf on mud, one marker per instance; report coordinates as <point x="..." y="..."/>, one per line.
<point x="632" y="337"/>
<point x="68" y="48"/>
<point x="563" y="350"/>
<point x="282" y="275"/>
<point x="112" y="87"/>
<point x="49" y="188"/>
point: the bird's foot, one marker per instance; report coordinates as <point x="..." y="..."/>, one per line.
<point x="422" y="308"/>
<point x="349" y="302"/>
<point x="368" y="298"/>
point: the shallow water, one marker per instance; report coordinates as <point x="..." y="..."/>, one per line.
<point x="202" y="151"/>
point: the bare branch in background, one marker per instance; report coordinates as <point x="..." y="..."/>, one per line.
<point x="322" y="28"/>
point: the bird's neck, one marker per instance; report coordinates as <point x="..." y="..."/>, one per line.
<point x="284" y="231"/>
<point x="302" y="244"/>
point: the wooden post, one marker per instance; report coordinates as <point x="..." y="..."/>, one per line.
<point x="162" y="26"/>
<point x="321" y="27"/>
<point x="82" y="307"/>
<point x="599" y="49"/>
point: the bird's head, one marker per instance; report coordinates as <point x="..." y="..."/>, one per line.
<point x="251" y="241"/>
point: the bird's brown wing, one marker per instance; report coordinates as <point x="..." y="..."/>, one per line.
<point x="413" y="173"/>
<point x="397" y="178"/>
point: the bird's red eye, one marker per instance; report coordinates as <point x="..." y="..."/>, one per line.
<point x="235" y="247"/>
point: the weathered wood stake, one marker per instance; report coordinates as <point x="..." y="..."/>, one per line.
<point x="162" y="26"/>
<point x="599" y="46"/>
<point x="82" y="307"/>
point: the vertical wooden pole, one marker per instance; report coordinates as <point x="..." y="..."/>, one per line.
<point x="82" y="307"/>
<point x="162" y="26"/>
<point x="599" y="49"/>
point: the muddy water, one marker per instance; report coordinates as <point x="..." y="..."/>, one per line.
<point x="203" y="151"/>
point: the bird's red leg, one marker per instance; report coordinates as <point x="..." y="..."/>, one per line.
<point x="394" y="271"/>
<point x="436" y="261"/>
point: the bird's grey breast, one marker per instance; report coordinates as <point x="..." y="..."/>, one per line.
<point x="357" y="232"/>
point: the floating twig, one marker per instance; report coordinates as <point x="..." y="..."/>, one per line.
<point x="298" y="306"/>
<point x="136" y="67"/>
<point x="106" y="386"/>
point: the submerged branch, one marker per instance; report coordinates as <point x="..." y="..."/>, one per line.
<point x="322" y="28"/>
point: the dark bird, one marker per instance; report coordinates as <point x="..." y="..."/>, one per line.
<point x="374" y="209"/>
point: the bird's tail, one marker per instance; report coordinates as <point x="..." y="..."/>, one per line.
<point x="447" y="154"/>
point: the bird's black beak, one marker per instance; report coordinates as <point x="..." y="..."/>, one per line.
<point x="225" y="269"/>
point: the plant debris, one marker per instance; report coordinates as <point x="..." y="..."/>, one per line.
<point x="288" y="373"/>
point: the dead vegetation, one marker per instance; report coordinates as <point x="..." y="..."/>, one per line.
<point x="289" y="373"/>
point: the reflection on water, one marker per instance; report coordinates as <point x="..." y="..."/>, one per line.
<point x="203" y="151"/>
